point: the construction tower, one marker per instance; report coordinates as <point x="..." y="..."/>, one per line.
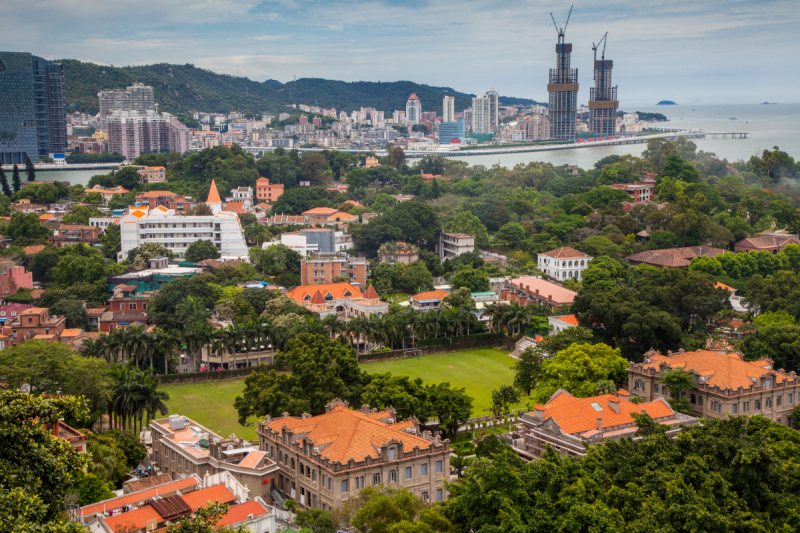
<point x="563" y="89"/>
<point x="603" y="103"/>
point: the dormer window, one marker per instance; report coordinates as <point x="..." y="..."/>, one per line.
<point x="392" y="454"/>
<point x="768" y="383"/>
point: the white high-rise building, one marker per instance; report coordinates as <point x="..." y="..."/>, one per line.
<point x="399" y="118"/>
<point x="413" y="110"/>
<point x="485" y="113"/>
<point x="131" y="133"/>
<point x="449" y="109"/>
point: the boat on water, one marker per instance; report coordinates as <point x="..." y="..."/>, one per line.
<point x="732" y="118"/>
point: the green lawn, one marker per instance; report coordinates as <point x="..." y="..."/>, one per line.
<point x="398" y="297"/>
<point x="211" y="404"/>
<point x="478" y="371"/>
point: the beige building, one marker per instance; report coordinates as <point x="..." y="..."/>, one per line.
<point x="398" y="252"/>
<point x="455" y="244"/>
<point x="324" y="460"/>
<point x="725" y="384"/>
<point x="183" y="448"/>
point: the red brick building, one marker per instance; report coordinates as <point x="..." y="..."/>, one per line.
<point x="125" y="307"/>
<point x="13" y="278"/>
<point x="35" y="322"/>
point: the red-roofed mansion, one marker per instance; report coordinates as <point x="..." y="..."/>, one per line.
<point x="563" y="263"/>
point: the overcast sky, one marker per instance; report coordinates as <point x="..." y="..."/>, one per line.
<point x="693" y="52"/>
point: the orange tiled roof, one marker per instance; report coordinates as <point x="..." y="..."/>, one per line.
<point x="33" y="250"/>
<point x="320" y="211"/>
<point x="546" y="288"/>
<point x="337" y="290"/>
<point x="71" y="332"/>
<point x="239" y="513"/>
<point x="341" y="215"/>
<point x="577" y="415"/>
<point x="232" y="206"/>
<point x="262" y="180"/>
<point x="569" y="319"/>
<point x="213" y="194"/>
<point x="252" y="459"/>
<point x="719" y="285"/>
<point x="344" y="434"/>
<point x="371" y="293"/>
<point x="201" y="498"/>
<point x="725" y="370"/>
<point x="46" y="216"/>
<point x="438" y="294"/>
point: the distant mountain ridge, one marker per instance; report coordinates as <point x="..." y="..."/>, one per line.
<point x="183" y="89"/>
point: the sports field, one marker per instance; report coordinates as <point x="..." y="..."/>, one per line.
<point x="478" y="371"/>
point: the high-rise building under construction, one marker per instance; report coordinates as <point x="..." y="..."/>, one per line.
<point x="563" y="89"/>
<point x="603" y="101"/>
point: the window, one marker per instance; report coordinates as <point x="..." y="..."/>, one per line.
<point x="778" y="401"/>
<point x="132" y="307"/>
<point x="734" y="409"/>
<point x="701" y="401"/>
<point x="344" y="486"/>
<point x="757" y="405"/>
<point x="408" y="472"/>
<point x="280" y="456"/>
<point x="324" y="484"/>
<point x="693" y="399"/>
<point x="656" y="388"/>
<point x="330" y="483"/>
<point x="358" y="483"/>
<point x="438" y="467"/>
<point x="745" y="406"/>
<point x="768" y="383"/>
<point x="313" y="475"/>
<point x="439" y="495"/>
<point x="392" y="476"/>
<point x="376" y="479"/>
<point x="768" y="403"/>
<point x="392" y="453"/>
<point x="425" y="497"/>
<point x="789" y="399"/>
<point x="424" y="469"/>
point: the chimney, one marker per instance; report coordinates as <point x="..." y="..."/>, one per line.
<point x="550" y="297"/>
<point x="614" y="405"/>
<point x="538" y="412"/>
<point x="599" y="423"/>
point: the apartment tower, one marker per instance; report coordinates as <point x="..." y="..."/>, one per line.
<point x="413" y="110"/>
<point x="138" y="97"/>
<point x="449" y="109"/>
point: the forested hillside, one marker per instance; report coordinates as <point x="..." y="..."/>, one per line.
<point x="183" y="89"/>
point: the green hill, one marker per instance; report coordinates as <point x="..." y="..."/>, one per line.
<point x="183" y="89"/>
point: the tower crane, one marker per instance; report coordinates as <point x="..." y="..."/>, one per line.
<point x="563" y="30"/>
<point x="604" y="41"/>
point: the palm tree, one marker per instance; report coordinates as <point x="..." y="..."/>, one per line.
<point x="154" y="399"/>
<point x="136" y="342"/>
<point x="116" y="344"/>
<point x="414" y="321"/>
<point x="230" y="336"/>
<point x="333" y="325"/>
<point x="197" y="336"/>
<point x="605" y="386"/>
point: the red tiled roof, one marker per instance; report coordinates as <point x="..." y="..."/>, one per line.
<point x="769" y="241"/>
<point x="252" y="459"/>
<point x="569" y="319"/>
<point x="318" y="298"/>
<point x="33" y="250"/>
<point x="232" y="206"/>
<point x="239" y="513"/>
<point x="135" y="497"/>
<point x="344" y="434"/>
<point x="559" y="293"/>
<point x="674" y="257"/>
<point x="725" y="370"/>
<point x="565" y="252"/>
<point x="577" y="415"/>
<point x="371" y="293"/>
<point x="156" y="194"/>
<point x="320" y="211"/>
<point x="134" y="520"/>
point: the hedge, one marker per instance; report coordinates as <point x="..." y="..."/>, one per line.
<point x="211" y="375"/>
<point x="447" y="341"/>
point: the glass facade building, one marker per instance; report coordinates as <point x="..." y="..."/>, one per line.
<point x="451" y="130"/>
<point x="33" y="121"/>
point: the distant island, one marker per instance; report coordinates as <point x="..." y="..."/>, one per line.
<point x="768" y="103"/>
<point x="666" y="102"/>
<point x="647" y="117"/>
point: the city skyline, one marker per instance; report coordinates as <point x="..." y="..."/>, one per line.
<point x="687" y="52"/>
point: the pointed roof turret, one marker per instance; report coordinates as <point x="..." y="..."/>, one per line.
<point x="371" y="293"/>
<point x="318" y="299"/>
<point x="213" y="194"/>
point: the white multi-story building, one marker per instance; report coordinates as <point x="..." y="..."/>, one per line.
<point x="244" y="195"/>
<point x="413" y="110"/>
<point x="455" y="244"/>
<point x="131" y="133"/>
<point x="485" y="112"/>
<point x="399" y="118"/>
<point x="137" y="97"/>
<point x="563" y="263"/>
<point x="449" y="109"/>
<point x="175" y="232"/>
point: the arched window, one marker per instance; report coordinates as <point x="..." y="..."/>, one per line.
<point x="582" y="263"/>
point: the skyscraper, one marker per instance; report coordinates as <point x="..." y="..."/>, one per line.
<point x="449" y="109"/>
<point x="137" y="97"/>
<point x="603" y="101"/>
<point x="413" y="110"/>
<point x="563" y="90"/>
<point x="131" y="133"/>
<point x="33" y="120"/>
<point x="494" y="109"/>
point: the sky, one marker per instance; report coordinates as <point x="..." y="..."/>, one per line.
<point x="689" y="51"/>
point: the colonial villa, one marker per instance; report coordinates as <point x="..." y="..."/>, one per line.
<point x="569" y="425"/>
<point x="326" y="459"/>
<point x="725" y="384"/>
<point x="563" y="263"/>
<point x="342" y="299"/>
